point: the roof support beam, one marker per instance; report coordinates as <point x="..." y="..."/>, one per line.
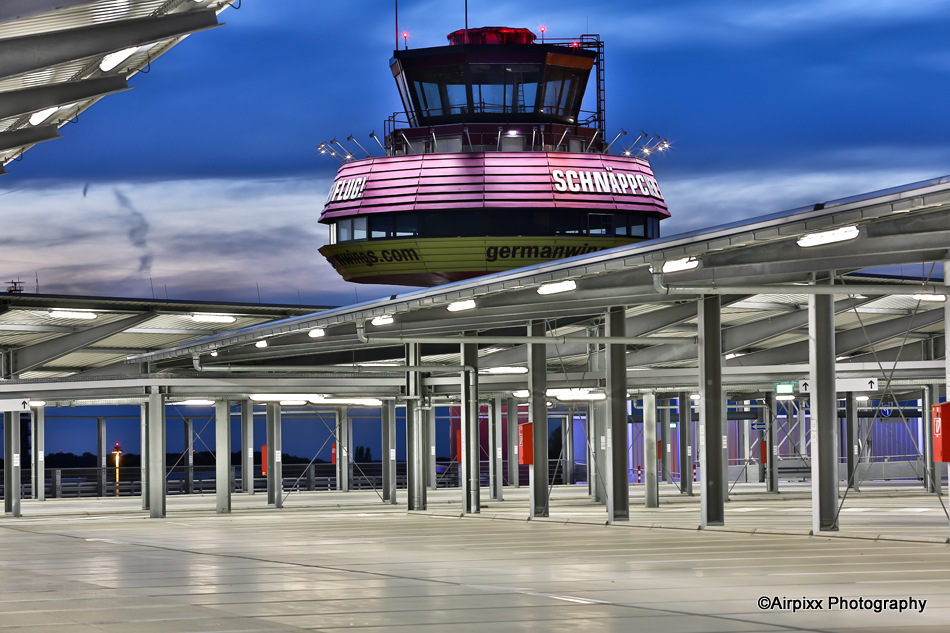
<point x="27" y="358"/>
<point x="28" y="136"/>
<point x="20" y="102"/>
<point x="33" y="52"/>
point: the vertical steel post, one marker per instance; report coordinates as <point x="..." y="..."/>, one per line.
<point x="686" y="443"/>
<point x="415" y="434"/>
<point x="538" y="417"/>
<point x="770" y="417"/>
<point x="190" y="455"/>
<point x="511" y="416"/>
<point x="471" y="453"/>
<point x="824" y="415"/>
<point x="710" y="412"/>
<point x="38" y="434"/>
<point x="851" y="441"/>
<point x="666" y="458"/>
<point x="269" y="427"/>
<point x="143" y="466"/>
<point x="927" y="399"/>
<point x="275" y="471"/>
<point x="567" y="430"/>
<point x="101" y="453"/>
<point x="618" y="503"/>
<point x="431" y="427"/>
<point x="247" y="446"/>
<point x="651" y="484"/>
<point x="156" y="454"/>
<point x="496" y="451"/>
<point x="388" y="423"/>
<point x="222" y="457"/>
<point x="11" y="462"/>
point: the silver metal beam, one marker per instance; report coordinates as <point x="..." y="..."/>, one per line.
<point x="17" y="103"/>
<point x="511" y="418"/>
<point x="665" y="444"/>
<point x="468" y="389"/>
<point x="38" y="439"/>
<point x="851" y="440"/>
<point x="247" y="446"/>
<point x="143" y="450"/>
<point x="101" y="453"/>
<point x="37" y="355"/>
<point x="538" y="417"/>
<point x="222" y="457"/>
<point x="618" y="498"/>
<point x="27" y="136"/>
<point x="495" y="450"/>
<point x="388" y="423"/>
<point x="33" y="52"/>
<point x="651" y="491"/>
<point x="11" y="462"/>
<point x="156" y="454"/>
<point x="824" y="413"/>
<point x="685" y="426"/>
<point x="710" y="412"/>
<point x="189" y="428"/>
<point x="415" y="434"/>
<point x="275" y="473"/>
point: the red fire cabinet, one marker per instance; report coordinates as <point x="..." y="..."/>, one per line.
<point x="526" y="443"/>
<point x="941" y="412"/>
<point x="333" y="453"/>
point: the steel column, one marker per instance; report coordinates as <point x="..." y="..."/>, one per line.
<point x="769" y="415"/>
<point x="388" y="423"/>
<point x="538" y="417"/>
<point x="247" y="446"/>
<point x="415" y="434"/>
<point x="650" y="478"/>
<point x="143" y="466"/>
<point x="929" y="471"/>
<point x="156" y="454"/>
<point x="11" y="462"/>
<point x="495" y="449"/>
<point x="851" y="440"/>
<point x="710" y="412"/>
<point x="190" y="455"/>
<point x="101" y="453"/>
<point x="618" y="501"/>
<point x="567" y="430"/>
<point x="38" y="435"/>
<point x="431" y="426"/>
<point x="686" y="443"/>
<point x="666" y="457"/>
<point x="511" y="416"/>
<point x="275" y="474"/>
<point x="824" y="414"/>
<point x="471" y="462"/>
<point x="222" y="457"/>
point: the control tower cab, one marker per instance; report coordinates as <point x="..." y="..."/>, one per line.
<point x="492" y="165"/>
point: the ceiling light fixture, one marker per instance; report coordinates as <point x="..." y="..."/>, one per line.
<point x="199" y="317"/>
<point x="501" y="371"/>
<point x="679" y="265"/>
<point x="72" y="314"/>
<point x="459" y="306"/>
<point x="112" y="60"/>
<point x="260" y="344"/>
<point x="37" y="403"/>
<point x="785" y="396"/>
<point x="841" y="234"/>
<point x="556" y="287"/>
<point x="355" y="402"/>
<point x="195" y="402"/>
<point x="383" y="319"/>
<point x="930" y="297"/>
<point x="317" y="332"/>
<point x="38" y="117"/>
<point x="521" y="393"/>
<point x="277" y="397"/>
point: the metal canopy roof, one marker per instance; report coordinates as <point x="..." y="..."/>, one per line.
<point x="757" y="266"/>
<point x="59" y="57"/>
<point x="46" y="336"/>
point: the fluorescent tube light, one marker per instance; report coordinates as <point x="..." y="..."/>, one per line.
<point x="459" y="306"/>
<point x="785" y="396"/>
<point x="679" y="265"/>
<point x="503" y="370"/>
<point x="197" y="402"/>
<point x="37" y="403"/>
<point x="521" y="393"/>
<point x="356" y="402"/>
<point x="293" y="403"/>
<point x="212" y="318"/>
<point x="383" y="319"/>
<point x="260" y="344"/>
<point x="71" y="314"/>
<point x="556" y="287"/>
<point x="38" y="117"/>
<point x="930" y="297"/>
<point x="112" y="60"/>
<point x="277" y="397"/>
<point x="317" y="332"/>
<point x="841" y="234"/>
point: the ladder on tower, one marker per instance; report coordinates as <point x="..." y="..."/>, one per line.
<point x="594" y="43"/>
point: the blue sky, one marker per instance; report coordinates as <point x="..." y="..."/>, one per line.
<point x="204" y="182"/>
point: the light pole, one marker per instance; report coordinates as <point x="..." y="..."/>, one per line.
<point x="117" y="451"/>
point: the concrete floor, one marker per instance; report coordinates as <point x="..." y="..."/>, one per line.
<point x="333" y="561"/>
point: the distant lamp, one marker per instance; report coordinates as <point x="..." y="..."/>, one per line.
<point x="260" y="344"/>
<point x="117" y="451"/>
<point x="930" y="297"/>
<point x="72" y="314"/>
<point x="405" y="40"/>
<point x="212" y="318"/>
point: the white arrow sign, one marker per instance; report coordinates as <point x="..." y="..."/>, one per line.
<point x="15" y="404"/>
<point x="844" y="384"/>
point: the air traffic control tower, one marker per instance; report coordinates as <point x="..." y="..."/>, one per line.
<point x="492" y="166"/>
